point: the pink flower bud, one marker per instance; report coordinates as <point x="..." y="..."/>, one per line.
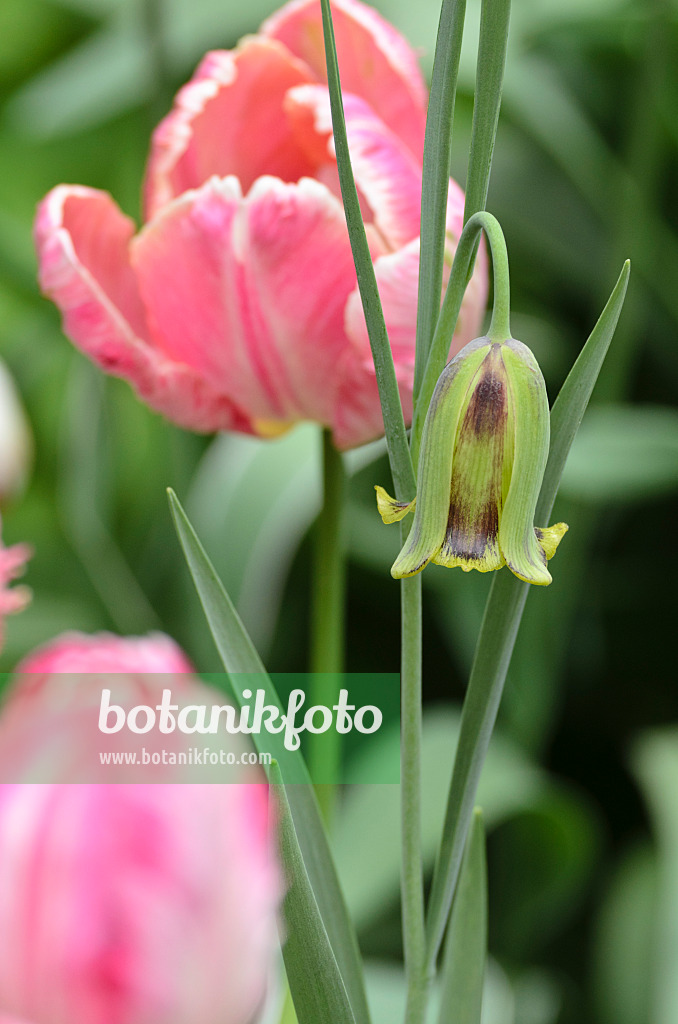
<point x="236" y="307"/>
<point x="130" y="904"/>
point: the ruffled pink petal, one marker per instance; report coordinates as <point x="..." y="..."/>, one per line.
<point x="375" y="61"/>
<point x="228" y="120"/>
<point x="104" y="652"/>
<point x="387" y="176"/>
<point x="82" y="240"/>
<point x="251" y="292"/>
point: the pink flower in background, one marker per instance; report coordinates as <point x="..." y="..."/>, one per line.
<point x="12" y="562"/>
<point x="236" y="306"/>
<point x="105" y="652"/>
<point x="128" y="904"/>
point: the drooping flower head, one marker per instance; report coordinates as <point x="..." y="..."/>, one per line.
<point x="483" y="453"/>
<point x="236" y="306"/>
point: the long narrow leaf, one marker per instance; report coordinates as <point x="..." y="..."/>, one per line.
<point x="240" y="657"/>
<point x="573" y="398"/>
<point x="494" y="26"/>
<point x="436" y="175"/>
<point x="500" y="625"/>
<point x="318" y="992"/>
<point x="394" y="424"/>
<point x="466" y="945"/>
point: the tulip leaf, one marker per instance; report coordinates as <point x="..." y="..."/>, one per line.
<point x="466" y="944"/>
<point x="436" y="175"/>
<point x="241" y="661"/>
<point x="394" y="423"/>
<point x="501" y="621"/>
<point x="318" y="991"/>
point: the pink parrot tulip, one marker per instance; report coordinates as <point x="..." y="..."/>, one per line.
<point x="129" y="904"/>
<point x="236" y="305"/>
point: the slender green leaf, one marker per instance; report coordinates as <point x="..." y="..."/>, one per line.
<point x="240" y="658"/>
<point x="494" y="27"/>
<point x="499" y="629"/>
<point x="573" y="398"/>
<point x="394" y="424"/>
<point x="314" y="978"/>
<point x="466" y="945"/>
<point x="436" y="175"/>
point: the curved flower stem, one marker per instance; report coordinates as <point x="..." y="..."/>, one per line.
<point x="462" y="268"/>
<point x="412" y="880"/>
<point x="328" y="618"/>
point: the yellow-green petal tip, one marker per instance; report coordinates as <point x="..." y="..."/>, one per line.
<point x="390" y="510"/>
<point x="550" y="537"/>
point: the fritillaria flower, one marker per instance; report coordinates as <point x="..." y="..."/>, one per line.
<point x="483" y="453"/>
<point x="236" y="306"/>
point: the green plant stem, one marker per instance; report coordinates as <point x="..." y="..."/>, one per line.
<point x="412" y="879"/>
<point x="328" y="618"/>
<point x="493" y="653"/>
<point x="462" y="268"/>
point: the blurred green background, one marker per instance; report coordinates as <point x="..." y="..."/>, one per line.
<point x="581" y="789"/>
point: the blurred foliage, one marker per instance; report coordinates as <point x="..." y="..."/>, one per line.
<point x="583" y="840"/>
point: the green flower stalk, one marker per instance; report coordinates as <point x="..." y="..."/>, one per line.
<point x="483" y="452"/>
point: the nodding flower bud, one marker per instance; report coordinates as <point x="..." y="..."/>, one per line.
<point x="483" y="453"/>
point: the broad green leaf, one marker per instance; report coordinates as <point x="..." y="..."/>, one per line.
<point x="315" y="982"/>
<point x="240" y="656"/>
<point x="466" y="943"/>
<point x="623" y="453"/>
<point x="263" y="496"/>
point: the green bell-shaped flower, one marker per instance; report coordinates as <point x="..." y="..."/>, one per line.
<point x="483" y="453"/>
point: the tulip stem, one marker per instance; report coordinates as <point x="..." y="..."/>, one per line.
<point x="328" y="619"/>
<point x="462" y="268"/>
